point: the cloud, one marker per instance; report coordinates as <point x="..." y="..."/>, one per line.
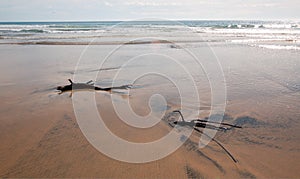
<point x="108" y="3"/>
<point x="256" y="5"/>
<point x="152" y="3"/>
<point x="23" y="10"/>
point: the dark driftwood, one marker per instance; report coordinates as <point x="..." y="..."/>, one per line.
<point x="219" y="143"/>
<point x="87" y="86"/>
<point x="194" y="124"/>
<point x="205" y="123"/>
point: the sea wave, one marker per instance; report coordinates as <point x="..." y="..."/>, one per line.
<point x="200" y="25"/>
<point x="248" y="32"/>
<point x="280" y="47"/>
<point x="263" y="40"/>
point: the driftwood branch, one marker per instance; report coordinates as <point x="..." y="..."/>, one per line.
<point x="204" y="123"/>
<point x="88" y="86"/>
<point x="195" y="123"/>
<point x="219" y="143"/>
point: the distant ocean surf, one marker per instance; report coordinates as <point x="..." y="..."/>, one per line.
<point x="277" y="35"/>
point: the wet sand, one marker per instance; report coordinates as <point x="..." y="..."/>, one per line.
<point x="40" y="136"/>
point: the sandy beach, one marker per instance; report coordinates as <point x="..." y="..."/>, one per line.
<point x="40" y="136"/>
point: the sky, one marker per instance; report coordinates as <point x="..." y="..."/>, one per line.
<point x="91" y="10"/>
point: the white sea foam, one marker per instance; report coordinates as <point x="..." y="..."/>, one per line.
<point x="280" y="47"/>
<point x="250" y="31"/>
<point x="262" y="40"/>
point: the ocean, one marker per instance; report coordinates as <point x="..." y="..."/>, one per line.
<point x="277" y="35"/>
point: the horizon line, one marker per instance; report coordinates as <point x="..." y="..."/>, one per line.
<point x="145" y="20"/>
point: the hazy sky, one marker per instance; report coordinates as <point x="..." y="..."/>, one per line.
<point x="55" y="10"/>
